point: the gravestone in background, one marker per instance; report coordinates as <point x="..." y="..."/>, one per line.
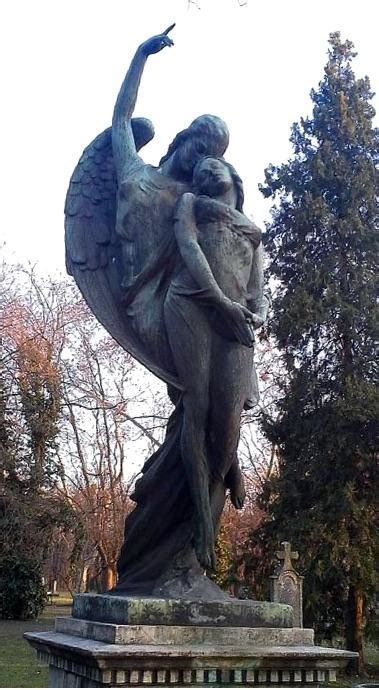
<point x="286" y="586"/>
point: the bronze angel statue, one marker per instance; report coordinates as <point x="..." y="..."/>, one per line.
<point x="172" y="268"/>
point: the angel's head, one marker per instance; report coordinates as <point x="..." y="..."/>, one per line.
<point x="215" y="177"/>
<point x="207" y="135"/>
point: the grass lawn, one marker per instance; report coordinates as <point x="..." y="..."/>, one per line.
<point x="19" y="667"/>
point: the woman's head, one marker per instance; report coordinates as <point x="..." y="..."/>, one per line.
<point x="207" y="135"/>
<point x="214" y="177"/>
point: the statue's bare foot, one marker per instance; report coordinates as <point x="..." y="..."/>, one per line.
<point x="237" y="487"/>
<point x="204" y="547"/>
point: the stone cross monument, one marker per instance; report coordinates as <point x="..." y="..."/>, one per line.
<point x="286" y="586"/>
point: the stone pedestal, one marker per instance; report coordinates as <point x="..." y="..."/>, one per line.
<point x="151" y="611"/>
<point x="167" y="643"/>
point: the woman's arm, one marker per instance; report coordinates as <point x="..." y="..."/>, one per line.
<point x="191" y="252"/>
<point x="235" y="314"/>
<point x="124" y="149"/>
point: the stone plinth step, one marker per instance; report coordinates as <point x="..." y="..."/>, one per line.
<point x="181" y="634"/>
<point x="149" y="611"/>
<point x="78" y="662"/>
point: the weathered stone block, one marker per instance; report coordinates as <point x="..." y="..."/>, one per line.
<point x="137" y="611"/>
<point x="179" y="634"/>
<point x="77" y="661"/>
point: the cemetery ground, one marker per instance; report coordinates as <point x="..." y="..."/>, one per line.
<point x="19" y="667"/>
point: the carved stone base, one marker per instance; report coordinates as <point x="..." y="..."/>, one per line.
<point x="182" y="634"/>
<point x="154" y="611"/>
<point x="89" y="653"/>
<point x="79" y="663"/>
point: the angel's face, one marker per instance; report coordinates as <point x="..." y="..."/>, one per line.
<point x="208" y="137"/>
<point x="189" y="153"/>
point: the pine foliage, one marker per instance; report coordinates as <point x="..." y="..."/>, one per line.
<point x="322" y="243"/>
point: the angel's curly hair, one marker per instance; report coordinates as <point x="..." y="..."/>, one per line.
<point x="210" y="128"/>
<point x="238" y="184"/>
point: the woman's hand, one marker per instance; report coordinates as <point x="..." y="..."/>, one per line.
<point x="157" y="43"/>
<point x="240" y="320"/>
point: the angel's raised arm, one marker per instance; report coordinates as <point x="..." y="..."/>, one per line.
<point x="124" y="148"/>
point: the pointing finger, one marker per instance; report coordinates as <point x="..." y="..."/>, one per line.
<point x="170" y="28"/>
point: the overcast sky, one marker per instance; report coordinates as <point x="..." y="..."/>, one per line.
<point x="63" y="62"/>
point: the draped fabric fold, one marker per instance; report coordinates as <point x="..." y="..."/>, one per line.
<point x="161" y="524"/>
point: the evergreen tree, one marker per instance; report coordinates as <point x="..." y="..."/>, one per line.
<point x="322" y="245"/>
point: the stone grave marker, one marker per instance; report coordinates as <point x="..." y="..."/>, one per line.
<point x="286" y="586"/>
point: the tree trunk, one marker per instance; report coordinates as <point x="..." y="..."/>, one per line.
<point x="108" y="570"/>
<point x="108" y="578"/>
<point x="355" y="627"/>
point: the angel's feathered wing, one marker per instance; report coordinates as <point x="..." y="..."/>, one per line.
<point x="93" y="249"/>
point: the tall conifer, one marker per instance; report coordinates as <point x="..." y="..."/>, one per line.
<point x="322" y="245"/>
